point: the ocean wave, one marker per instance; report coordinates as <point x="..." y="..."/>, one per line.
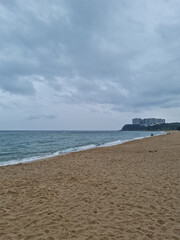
<point x="109" y="144"/>
<point x="69" y="150"/>
<point x="57" y="153"/>
<point x="78" y="149"/>
<point x="24" y="160"/>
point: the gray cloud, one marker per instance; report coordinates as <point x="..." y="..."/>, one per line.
<point x="39" y="117"/>
<point x="120" y="53"/>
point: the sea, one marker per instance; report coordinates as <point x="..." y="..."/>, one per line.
<point x="26" y="146"/>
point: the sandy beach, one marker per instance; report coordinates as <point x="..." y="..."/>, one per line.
<point x="128" y="191"/>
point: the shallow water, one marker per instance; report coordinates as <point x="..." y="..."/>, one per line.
<point x="25" y="146"/>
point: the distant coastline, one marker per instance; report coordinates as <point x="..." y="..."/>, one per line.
<point x="157" y="127"/>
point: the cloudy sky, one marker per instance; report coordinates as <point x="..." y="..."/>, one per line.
<point x="88" y="64"/>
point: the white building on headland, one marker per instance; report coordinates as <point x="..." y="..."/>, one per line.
<point x="147" y="121"/>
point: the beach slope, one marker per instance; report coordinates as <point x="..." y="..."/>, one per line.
<point x="128" y="191"/>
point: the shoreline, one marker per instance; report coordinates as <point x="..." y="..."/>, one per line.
<point x="79" y="149"/>
<point x="127" y="191"/>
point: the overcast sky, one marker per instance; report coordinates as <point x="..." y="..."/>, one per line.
<point x="88" y="64"/>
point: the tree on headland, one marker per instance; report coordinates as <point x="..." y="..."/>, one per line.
<point x="158" y="127"/>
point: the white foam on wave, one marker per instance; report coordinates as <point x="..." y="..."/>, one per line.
<point x="24" y="160"/>
<point x="78" y="149"/>
<point x="57" y="153"/>
<point x="109" y="144"/>
<point x="127" y="140"/>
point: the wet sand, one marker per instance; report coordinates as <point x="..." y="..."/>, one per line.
<point x="128" y="191"/>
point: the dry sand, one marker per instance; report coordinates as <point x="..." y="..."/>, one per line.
<point x="129" y="191"/>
